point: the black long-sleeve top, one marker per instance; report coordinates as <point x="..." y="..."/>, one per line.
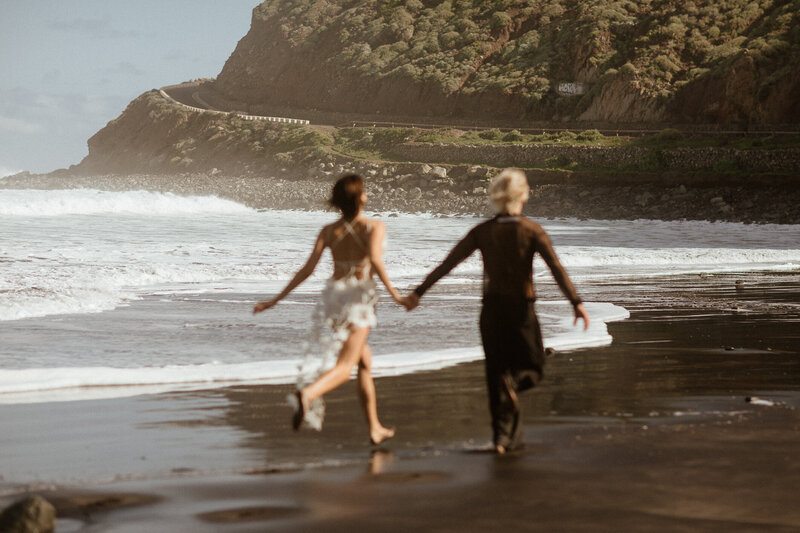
<point x="508" y="245"/>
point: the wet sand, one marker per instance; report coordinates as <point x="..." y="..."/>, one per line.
<point x="652" y="433"/>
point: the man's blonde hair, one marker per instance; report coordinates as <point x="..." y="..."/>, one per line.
<point x="509" y="190"/>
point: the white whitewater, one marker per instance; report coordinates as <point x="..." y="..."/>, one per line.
<point x="108" y="294"/>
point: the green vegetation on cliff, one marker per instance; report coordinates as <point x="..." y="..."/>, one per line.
<point x="636" y="60"/>
<point x="523" y="46"/>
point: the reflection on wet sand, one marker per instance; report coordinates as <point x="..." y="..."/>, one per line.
<point x="651" y="433"/>
<point x="663" y="364"/>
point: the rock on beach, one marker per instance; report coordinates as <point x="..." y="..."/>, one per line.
<point x="455" y="190"/>
<point x="32" y="514"/>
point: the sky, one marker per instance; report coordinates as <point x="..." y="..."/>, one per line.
<point x="68" y="67"/>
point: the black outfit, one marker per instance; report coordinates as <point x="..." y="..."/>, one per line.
<point x="512" y="340"/>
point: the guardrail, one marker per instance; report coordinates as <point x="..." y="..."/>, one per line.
<point x="240" y="115"/>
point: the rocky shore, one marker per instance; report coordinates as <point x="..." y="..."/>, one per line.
<point x="458" y="190"/>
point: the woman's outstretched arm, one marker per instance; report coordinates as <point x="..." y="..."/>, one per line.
<point x="299" y="277"/>
<point x="376" y="258"/>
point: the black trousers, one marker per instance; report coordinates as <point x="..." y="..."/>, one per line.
<point x="512" y="343"/>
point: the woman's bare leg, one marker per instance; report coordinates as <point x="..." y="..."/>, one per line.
<point x="366" y="392"/>
<point x="349" y="356"/>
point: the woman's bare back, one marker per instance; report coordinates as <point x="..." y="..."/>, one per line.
<point x="349" y="241"/>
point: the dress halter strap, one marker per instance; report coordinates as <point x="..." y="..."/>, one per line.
<point x="354" y="266"/>
<point x="348" y="230"/>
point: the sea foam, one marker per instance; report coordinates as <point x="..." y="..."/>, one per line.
<point x="33" y="385"/>
<point x="65" y="254"/>
<point x="51" y="203"/>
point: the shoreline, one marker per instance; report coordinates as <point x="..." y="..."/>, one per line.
<point x="652" y="433"/>
<point x="593" y="480"/>
<point x="461" y="191"/>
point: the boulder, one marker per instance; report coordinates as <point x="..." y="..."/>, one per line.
<point x="32" y="514"/>
<point x="439" y="171"/>
<point x="477" y="171"/>
<point x="644" y="199"/>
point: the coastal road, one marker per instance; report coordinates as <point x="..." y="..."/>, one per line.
<point x="191" y="94"/>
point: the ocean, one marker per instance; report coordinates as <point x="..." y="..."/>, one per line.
<point x="112" y="294"/>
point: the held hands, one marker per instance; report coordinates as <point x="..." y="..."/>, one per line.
<point x="580" y="313"/>
<point x="410" y="302"/>
<point x="263" y="306"/>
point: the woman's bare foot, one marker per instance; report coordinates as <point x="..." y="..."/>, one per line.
<point x="379" y="461"/>
<point x="500" y="449"/>
<point x="380" y="435"/>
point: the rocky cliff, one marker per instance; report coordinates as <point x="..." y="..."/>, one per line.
<point x="726" y="62"/>
<point x="155" y="134"/>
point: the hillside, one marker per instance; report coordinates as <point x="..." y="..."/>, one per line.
<point x="158" y="144"/>
<point x="727" y="66"/>
<point x="154" y="134"/>
<point x="733" y="62"/>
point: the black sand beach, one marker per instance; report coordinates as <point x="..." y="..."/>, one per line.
<point x="688" y="421"/>
<point x="652" y="433"/>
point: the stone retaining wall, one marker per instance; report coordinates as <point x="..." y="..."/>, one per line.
<point x="626" y="157"/>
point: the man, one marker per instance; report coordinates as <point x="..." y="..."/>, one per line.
<point x="512" y="340"/>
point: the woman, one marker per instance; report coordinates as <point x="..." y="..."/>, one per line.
<point x="510" y="333"/>
<point x="343" y="318"/>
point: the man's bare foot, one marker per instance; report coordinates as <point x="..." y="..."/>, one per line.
<point x="380" y="435"/>
<point x="500" y="449"/>
<point x="299" y="410"/>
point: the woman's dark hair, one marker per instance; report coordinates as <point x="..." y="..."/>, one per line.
<point x="346" y="195"/>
